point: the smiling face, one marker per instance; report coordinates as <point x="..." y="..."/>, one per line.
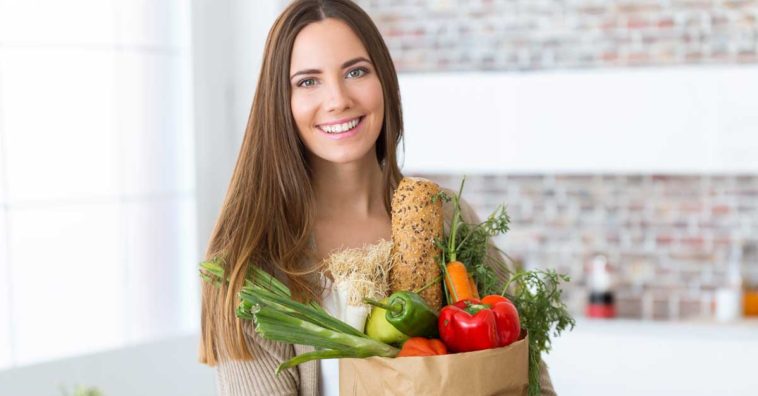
<point x="337" y="99"/>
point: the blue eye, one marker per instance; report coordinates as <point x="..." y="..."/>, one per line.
<point x="306" y="82"/>
<point x="357" y="72"/>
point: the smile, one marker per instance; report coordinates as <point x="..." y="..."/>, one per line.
<point x="344" y="127"/>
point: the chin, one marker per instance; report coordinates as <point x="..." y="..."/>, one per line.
<point x="344" y="156"/>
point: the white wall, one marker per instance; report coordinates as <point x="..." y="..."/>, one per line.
<point x="228" y="39"/>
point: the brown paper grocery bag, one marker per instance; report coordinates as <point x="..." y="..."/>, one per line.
<point x="500" y="371"/>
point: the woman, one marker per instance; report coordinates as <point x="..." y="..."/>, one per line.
<point x="316" y="172"/>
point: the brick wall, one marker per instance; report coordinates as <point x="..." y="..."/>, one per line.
<point x="670" y="239"/>
<point x="426" y="35"/>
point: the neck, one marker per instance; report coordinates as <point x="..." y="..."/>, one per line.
<point x="353" y="189"/>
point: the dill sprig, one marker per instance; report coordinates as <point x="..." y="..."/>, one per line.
<point x="542" y="312"/>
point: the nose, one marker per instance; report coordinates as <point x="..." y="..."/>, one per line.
<point x="339" y="98"/>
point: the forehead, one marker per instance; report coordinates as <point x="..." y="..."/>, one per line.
<point x="325" y="44"/>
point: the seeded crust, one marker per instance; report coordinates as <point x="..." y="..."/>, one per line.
<point x="416" y="222"/>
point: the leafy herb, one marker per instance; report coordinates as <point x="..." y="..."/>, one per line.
<point x="537" y="296"/>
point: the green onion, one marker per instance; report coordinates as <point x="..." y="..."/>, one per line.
<point x="256" y="295"/>
<point x="323" y="354"/>
<point x="268" y="302"/>
<point x="276" y="325"/>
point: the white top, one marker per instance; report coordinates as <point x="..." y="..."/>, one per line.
<point x="329" y="375"/>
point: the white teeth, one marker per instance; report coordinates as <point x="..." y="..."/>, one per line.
<point x="340" y="127"/>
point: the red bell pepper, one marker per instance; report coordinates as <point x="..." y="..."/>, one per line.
<point x="472" y="325"/>
<point x="506" y="316"/>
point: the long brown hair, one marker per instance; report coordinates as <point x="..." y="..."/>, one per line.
<point x="267" y="216"/>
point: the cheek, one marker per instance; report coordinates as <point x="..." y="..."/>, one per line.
<point x="375" y="98"/>
<point x="303" y="111"/>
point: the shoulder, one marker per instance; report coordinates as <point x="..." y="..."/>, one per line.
<point x="263" y="348"/>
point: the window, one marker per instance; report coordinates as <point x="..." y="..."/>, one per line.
<point x="97" y="195"/>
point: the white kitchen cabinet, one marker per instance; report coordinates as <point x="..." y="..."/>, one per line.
<point x="650" y="120"/>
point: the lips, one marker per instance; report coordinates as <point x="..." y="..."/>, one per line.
<point x="343" y="130"/>
<point x="340" y="126"/>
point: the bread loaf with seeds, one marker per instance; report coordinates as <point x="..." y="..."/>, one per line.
<point x="416" y="223"/>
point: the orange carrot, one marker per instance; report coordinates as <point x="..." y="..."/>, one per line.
<point x="458" y="282"/>
<point x="472" y="282"/>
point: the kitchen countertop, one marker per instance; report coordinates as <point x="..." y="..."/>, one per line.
<point x="163" y="367"/>
<point x="599" y="357"/>
<point x="627" y="357"/>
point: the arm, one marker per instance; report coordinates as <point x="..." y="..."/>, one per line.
<point x="256" y="377"/>
<point x="469" y="216"/>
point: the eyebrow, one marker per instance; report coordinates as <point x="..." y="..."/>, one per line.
<point x="344" y="66"/>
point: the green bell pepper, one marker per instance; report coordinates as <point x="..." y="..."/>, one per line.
<point x="380" y="329"/>
<point x="410" y="314"/>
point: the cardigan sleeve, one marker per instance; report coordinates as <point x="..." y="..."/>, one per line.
<point x="469" y="216"/>
<point x="256" y="377"/>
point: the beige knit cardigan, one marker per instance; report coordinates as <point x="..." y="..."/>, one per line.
<point x="256" y="377"/>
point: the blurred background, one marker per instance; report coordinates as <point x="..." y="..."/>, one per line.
<point x="621" y="135"/>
